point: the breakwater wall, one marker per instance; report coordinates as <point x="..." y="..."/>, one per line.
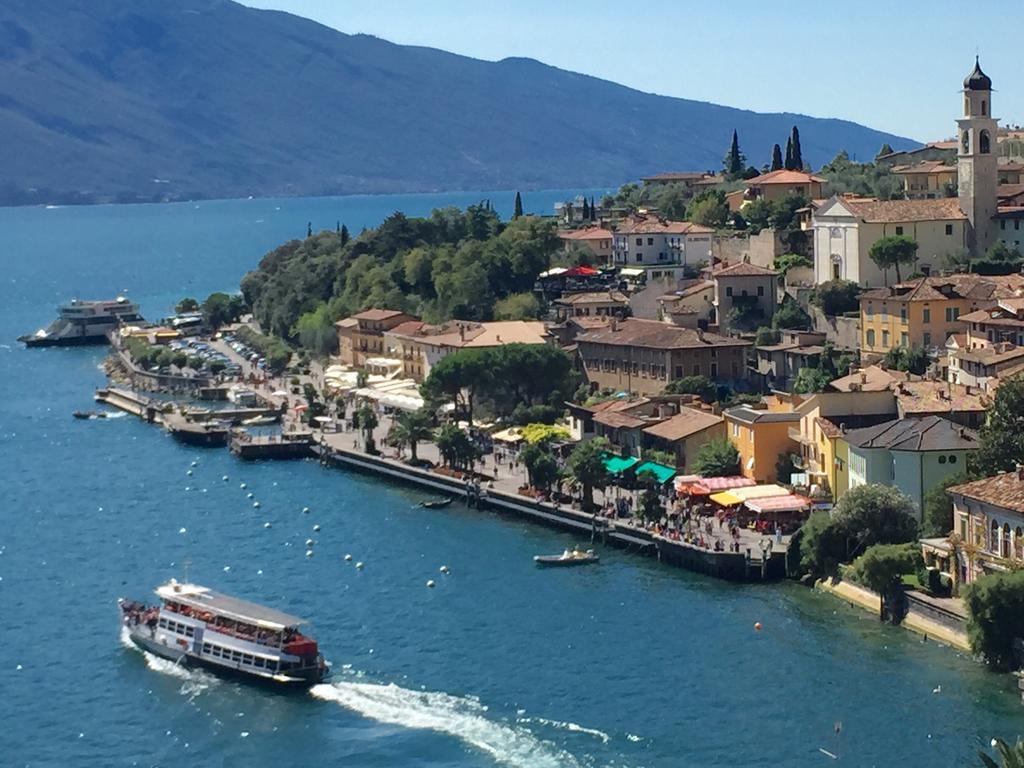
<point x="731" y="566"/>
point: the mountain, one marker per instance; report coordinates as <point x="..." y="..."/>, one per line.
<point x="126" y="100"/>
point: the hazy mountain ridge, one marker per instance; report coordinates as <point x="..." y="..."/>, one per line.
<point x="146" y="99"/>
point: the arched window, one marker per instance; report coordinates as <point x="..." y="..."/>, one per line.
<point x="1004" y="550"/>
<point x="965" y="141"/>
<point x="983" y="146"/>
<point x="993" y="537"/>
<point x="967" y="106"/>
<point x="1018" y="541"/>
<point x="984" y="108"/>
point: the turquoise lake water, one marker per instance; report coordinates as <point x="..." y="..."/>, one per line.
<point x="624" y="664"/>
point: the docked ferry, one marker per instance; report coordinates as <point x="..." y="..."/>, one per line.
<point x="84" y="322"/>
<point x="198" y="627"/>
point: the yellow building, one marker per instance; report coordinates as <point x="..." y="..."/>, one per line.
<point x="777" y="185"/>
<point x="361" y="336"/>
<point x="928" y="179"/>
<point x="760" y="436"/>
<point x="824" y="418"/>
<point x="927" y="310"/>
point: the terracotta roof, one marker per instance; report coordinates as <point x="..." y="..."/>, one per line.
<point x="460" y="334"/>
<point x="994" y="316"/>
<point x="957" y="339"/>
<point x="656" y="335"/>
<point x="743" y="269"/>
<point x="704" y="285"/>
<point x="1005" y="490"/>
<point x="898" y="211"/>
<point x="827" y="427"/>
<point x="993" y="355"/>
<point x="617" y="405"/>
<point x="748" y="415"/>
<point x="689" y="421"/>
<point x="873" y="378"/>
<point x="347" y="322"/>
<point x="931" y="433"/>
<point x="619" y="420"/>
<point x="925" y="166"/>
<point x="783" y="176"/>
<point x="936" y="397"/>
<point x="589" y="322"/>
<point x="590" y="233"/>
<point x="938" y="288"/>
<point x="595" y="297"/>
<point x="652" y="226"/>
<point x="377" y="314"/>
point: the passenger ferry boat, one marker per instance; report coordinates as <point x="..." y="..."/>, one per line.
<point x="84" y="322"/>
<point x="198" y="627"/>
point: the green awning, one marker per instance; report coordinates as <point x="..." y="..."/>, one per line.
<point x="616" y="465"/>
<point x="660" y="471"/>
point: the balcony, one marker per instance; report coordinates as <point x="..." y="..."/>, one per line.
<point x="796" y="435"/>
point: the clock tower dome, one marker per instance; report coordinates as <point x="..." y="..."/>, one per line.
<point x="977" y="176"/>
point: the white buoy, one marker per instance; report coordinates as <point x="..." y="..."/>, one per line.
<point x="305" y="510"/>
<point x="309" y="553"/>
<point x="359" y="565"/>
<point x="182" y="530"/>
<point x="188" y="472"/>
<point x="266" y="525"/>
<point x="316" y="529"/>
<point x="256" y="504"/>
<point x="348" y="558"/>
<point x="195" y="464"/>
<point x="243" y="486"/>
<point x="249" y="495"/>
<point x="443" y="569"/>
<point x="430" y="583"/>
<point x="188" y="487"/>
<point x="309" y="542"/>
<point x="227" y="568"/>
<point x="225" y="478"/>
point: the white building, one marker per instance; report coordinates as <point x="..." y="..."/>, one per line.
<point x="651" y="242"/>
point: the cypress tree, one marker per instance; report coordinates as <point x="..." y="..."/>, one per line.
<point x="586" y="210"/>
<point x="309" y="229"/>
<point x="734" y="160"/>
<point x="593" y="211"/>
<point x="776" y="158"/>
<point x="788" y="164"/>
<point x="517" y="209"/>
<point x="337" y="226"/>
<point x="344" y="235"/>
<point x="798" y="158"/>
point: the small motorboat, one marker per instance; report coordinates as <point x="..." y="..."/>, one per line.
<point x="89" y="415"/>
<point x="260" y="421"/>
<point x="567" y="558"/>
<point x="437" y="503"/>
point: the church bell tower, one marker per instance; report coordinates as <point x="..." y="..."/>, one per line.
<point x="977" y="176"/>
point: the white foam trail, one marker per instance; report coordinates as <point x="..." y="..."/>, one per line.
<point x="574" y="727"/>
<point x="194" y="681"/>
<point x="463" y="718"/>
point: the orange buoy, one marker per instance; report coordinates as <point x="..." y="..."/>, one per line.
<point x="757" y="626"/>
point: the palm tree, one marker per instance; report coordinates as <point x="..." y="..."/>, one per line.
<point x="586" y="465"/>
<point x="411" y="428"/>
<point x="1011" y="757"/>
<point x="366" y="420"/>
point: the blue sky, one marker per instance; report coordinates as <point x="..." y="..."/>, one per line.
<point x="895" y="66"/>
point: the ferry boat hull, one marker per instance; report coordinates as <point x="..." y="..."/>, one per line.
<point x="179" y="656"/>
<point x="64" y="341"/>
<point x="195" y="626"/>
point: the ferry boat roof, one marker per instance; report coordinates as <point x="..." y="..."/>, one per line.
<point x="196" y="596"/>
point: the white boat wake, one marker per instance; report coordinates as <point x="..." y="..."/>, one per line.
<point x="194" y="681"/>
<point x="574" y="727"/>
<point x="464" y="718"/>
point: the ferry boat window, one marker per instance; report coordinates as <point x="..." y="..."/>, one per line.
<point x="190" y="631"/>
<point x="236" y="656"/>
<point x="258" y="662"/>
<point x="162" y="623"/>
<point x="247" y="658"/>
<point x="206" y="647"/>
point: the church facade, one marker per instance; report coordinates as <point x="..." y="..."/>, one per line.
<point x="844" y="228"/>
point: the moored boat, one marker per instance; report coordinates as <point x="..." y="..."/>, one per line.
<point x="84" y="322"/>
<point x="198" y="627"/>
<point x="436" y="503"/>
<point x="568" y="558"/>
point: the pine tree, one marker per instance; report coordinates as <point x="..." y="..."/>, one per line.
<point x="788" y="164"/>
<point x="344" y="235"/>
<point x="309" y="229"/>
<point x="517" y="210"/>
<point x="586" y="210"/>
<point x="798" y="158"/>
<point x="776" y="158"/>
<point x="733" y="162"/>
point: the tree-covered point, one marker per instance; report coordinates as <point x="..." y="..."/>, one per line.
<point x="452" y="264"/>
<point x="995" y="611"/>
